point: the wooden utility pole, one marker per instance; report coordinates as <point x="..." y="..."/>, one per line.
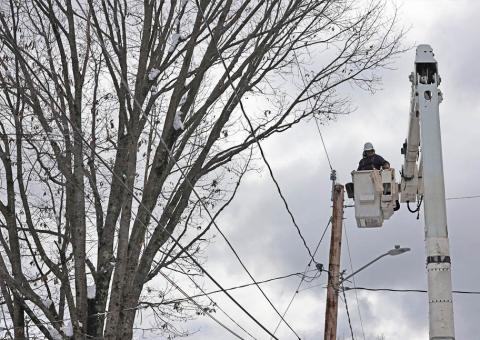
<point x="334" y="265"/>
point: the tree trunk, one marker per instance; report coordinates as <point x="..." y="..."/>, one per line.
<point x="18" y="318"/>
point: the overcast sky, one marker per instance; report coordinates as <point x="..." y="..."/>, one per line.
<point x="259" y="228"/>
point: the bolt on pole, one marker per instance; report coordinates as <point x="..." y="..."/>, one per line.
<point x="331" y="310"/>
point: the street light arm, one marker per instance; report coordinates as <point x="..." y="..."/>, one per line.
<point x="362" y="268"/>
<point x="392" y="252"/>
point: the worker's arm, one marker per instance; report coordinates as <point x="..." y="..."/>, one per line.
<point x="382" y="162"/>
<point x="362" y="165"/>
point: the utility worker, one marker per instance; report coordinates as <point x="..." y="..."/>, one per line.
<point x="371" y="160"/>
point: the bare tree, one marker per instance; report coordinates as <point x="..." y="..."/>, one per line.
<point x="121" y="121"/>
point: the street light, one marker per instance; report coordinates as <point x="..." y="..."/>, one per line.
<point x="392" y="252"/>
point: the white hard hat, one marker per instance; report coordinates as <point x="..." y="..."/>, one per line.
<point x="368" y="146"/>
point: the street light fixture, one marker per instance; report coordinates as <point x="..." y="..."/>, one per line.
<point x="397" y="250"/>
<point x="392" y="252"/>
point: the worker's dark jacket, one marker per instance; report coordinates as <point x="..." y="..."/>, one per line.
<point x="371" y="163"/>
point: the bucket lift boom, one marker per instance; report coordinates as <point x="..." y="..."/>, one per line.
<point x="420" y="176"/>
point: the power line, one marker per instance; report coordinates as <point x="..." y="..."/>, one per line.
<point x="316" y="122"/>
<point x="213" y="302"/>
<point x="353" y="280"/>
<point x="323" y="143"/>
<point x="238" y="287"/>
<point x="196" y="304"/>
<point x="462" y="197"/>
<point x="303" y="277"/>
<point x="144" y="305"/>
<point x="223" y="236"/>
<point x="43" y="323"/>
<point x="242" y="108"/>
<point x="397" y="290"/>
<point x="346" y="308"/>
<point x="332" y="178"/>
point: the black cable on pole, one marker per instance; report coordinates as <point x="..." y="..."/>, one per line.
<point x="346" y="308"/>
<point x="353" y="280"/>
<point x="417" y="210"/>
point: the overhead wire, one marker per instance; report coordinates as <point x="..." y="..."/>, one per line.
<point x="303" y="276"/>
<point x="262" y="153"/>
<point x="323" y="143"/>
<point x="353" y="280"/>
<point x="346" y="307"/>
<point x="226" y="240"/>
<point x="345" y="288"/>
<point x="398" y="290"/>
<point x="213" y="303"/>
<point x="300" y="274"/>
<point x="143" y="305"/>
<point x="209" y="314"/>
<point x="333" y="178"/>
<point x="43" y="323"/>
<point x="462" y="197"/>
